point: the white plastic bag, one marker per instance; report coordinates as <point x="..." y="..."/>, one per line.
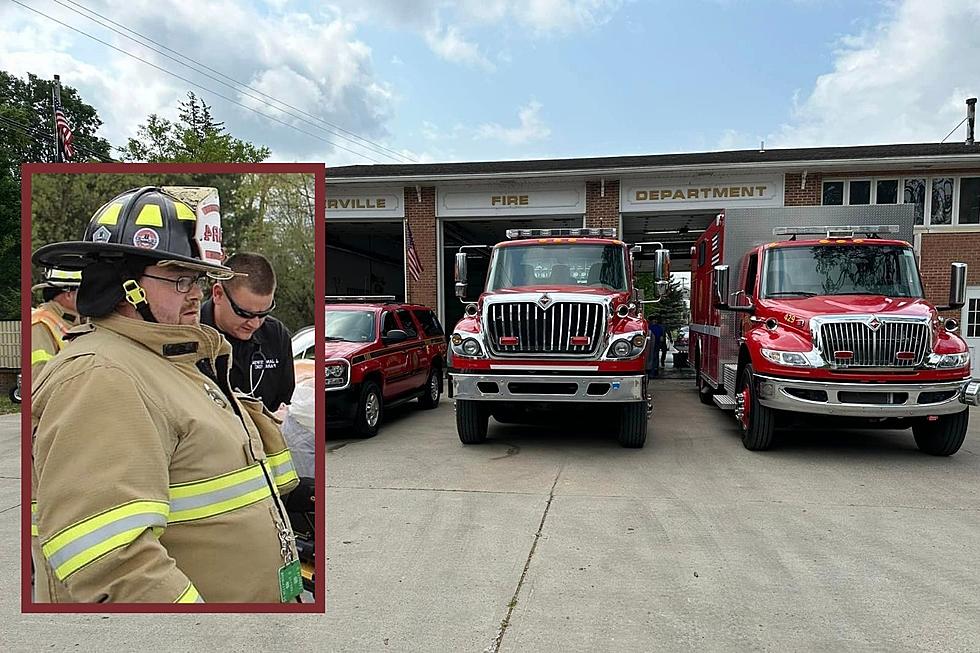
<point x="299" y="428"/>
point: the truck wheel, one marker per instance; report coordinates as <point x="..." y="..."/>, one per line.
<point x="15" y="394"/>
<point x="370" y="408"/>
<point x="633" y="424"/>
<point x="756" y="421"/>
<point x="471" y="421"/>
<point x="942" y="437"/>
<point x="430" y="394"/>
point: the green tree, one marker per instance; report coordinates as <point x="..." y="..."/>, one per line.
<point x="672" y="308"/>
<point x="27" y="136"/>
<point x="196" y="137"/>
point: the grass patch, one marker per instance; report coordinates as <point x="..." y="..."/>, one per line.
<point x="7" y="406"/>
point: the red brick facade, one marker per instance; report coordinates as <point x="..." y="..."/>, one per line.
<point x="800" y="193"/>
<point x="602" y="204"/>
<point x="938" y="251"/>
<point x="421" y="217"/>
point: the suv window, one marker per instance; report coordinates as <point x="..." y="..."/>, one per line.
<point x="408" y="326"/>
<point x="430" y="323"/>
<point x="388" y="324"/>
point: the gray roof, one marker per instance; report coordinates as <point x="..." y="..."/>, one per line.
<point x="653" y="161"/>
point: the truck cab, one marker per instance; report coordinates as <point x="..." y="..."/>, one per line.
<point x="559" y="325"/>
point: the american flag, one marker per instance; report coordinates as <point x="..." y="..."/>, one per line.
<point x="414" y="264"/>
<point x="64" y="131"/>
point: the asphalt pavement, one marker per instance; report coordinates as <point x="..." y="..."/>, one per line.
<point x="553" y="538"/>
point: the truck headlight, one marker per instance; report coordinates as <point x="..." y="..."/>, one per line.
<point x="471" y="347"/>
<point x="335" y="375"/>
<point x="949" y="361"/>
<point x="788" y="358"/>
<point x="622" y="348"/>
<point x="335" y="370"/>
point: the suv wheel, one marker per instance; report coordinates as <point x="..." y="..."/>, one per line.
<point x="430" y="394"/>
<point x="370" y="408"/>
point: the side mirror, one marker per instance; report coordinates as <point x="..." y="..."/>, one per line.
<point x="460" y="274"/>
<point x="957" y="286"/>
<point x="719" y="285"/>
<point x="662" y="265"/>
<point x="393" y="336"/>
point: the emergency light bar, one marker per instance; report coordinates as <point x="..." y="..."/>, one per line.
<point x="355" y="299"/>
<point x="833" y="231"/>
<point x="604" y="232"/>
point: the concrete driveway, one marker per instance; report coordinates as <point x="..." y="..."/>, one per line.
<point x="557" y="539"/>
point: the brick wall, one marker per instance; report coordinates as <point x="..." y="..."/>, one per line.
<point x="421" y="218"/>
<point x="602" y="210"/>
<point x="793" y="195"/>
<point x="938" y="251"/>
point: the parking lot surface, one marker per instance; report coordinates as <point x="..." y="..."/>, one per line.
<point x="556" y="539"/>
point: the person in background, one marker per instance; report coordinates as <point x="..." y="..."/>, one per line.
<point x="657" y="354"/>
<point x="52" y="319"/>
<point x="262" y="352"/>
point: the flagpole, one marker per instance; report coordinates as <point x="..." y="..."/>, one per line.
<point x="55" y="101"/>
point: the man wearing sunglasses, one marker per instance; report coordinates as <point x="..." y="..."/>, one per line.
<point x="262" y="354"/>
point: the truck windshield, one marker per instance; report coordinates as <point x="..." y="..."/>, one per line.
<point x="355" y="326"/>
<point x="598" y="266"/>
<point x="834" y="270"/>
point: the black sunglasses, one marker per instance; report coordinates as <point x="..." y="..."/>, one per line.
<point x="242" y="313"/>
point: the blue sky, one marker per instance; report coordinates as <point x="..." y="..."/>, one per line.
<point x="507" y="79"/>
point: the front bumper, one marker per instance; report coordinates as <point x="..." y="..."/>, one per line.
<point x="866" y="399"/>
<point x="547" y="388"/>
<point x="341" y="405"/>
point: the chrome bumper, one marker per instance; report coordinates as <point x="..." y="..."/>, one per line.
<point x="867" y="399"/>
<point x="526" y="387"/>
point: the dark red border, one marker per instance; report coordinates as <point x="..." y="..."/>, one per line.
<point x="29" y="169"/>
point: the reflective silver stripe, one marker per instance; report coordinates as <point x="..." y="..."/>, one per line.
<point x="283" y="468"/>
<point x="182" y="504"/>
<point x="117" y="527"/>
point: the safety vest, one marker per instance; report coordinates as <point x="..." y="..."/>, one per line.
<point x="55" y="325"/>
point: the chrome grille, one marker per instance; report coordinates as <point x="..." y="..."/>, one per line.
<point x="875" y="348"/>
<point x="548" y="331"/>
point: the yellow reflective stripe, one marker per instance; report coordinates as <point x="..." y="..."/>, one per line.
<point x="150" y="216"/>
<point x="110" y="215"/>
<point x="84" y="542"/>
<point x="33" y="518"/>
<point x="184" y="212"/>
<point x="40" y="356"/>
<point x="190" y="595"/>
<point x="281" y="465"/>
<point x="214" y="496"/>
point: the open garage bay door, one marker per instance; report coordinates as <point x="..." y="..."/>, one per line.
<point x="366" y="258"/>
<point x="456" y="233"/>
<point x="677" y="231"/>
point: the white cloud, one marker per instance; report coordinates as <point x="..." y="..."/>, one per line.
<point x="451" y="46"/>
<point x="531" y="128"/>
<point x="396" y="61"/>
<point x="903" y="81"/>
<point x="312" y="61"/>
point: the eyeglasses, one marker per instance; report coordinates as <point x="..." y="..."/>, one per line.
<point x="183" y="285"/>
<point x="244" y="314"/>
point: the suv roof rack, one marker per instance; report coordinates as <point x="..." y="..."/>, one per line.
<point x="837" y="231"/>
<point x="360" y="299"/>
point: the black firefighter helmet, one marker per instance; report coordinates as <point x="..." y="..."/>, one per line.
<point x="138" y="228"/>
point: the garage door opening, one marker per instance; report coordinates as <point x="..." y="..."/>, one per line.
<point x="677" y="231"/>
<point x="365" y="258"/>
<point x="456" y="233"/>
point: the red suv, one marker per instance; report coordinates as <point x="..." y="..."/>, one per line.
<point x="380" y="354"/>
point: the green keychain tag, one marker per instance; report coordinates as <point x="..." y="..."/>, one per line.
<point x="290" y="581"/>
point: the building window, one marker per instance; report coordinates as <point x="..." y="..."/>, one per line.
<point x="969" y="200"/>
<point x="833" y="193"/>
<point x="886" y="191"/>
<point x="915" y="193"/>
<point x="973" y="319"/>
<point x="860" y="192"/>
<point x="942" y="201"/>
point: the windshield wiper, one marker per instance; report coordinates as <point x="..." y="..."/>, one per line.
<point x="791" y="293"/>
<point x="335" y="338"/>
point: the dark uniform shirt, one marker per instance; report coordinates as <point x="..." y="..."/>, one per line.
<point x="262" y="366"/>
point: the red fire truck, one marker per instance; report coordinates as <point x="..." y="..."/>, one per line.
<point x="826" y="321"/>
<point x="559" y="325"/>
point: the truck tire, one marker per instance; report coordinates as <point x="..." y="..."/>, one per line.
<point x="370" y="410"/>
<point x="430" y="393"/>
<point x="942" y="437"/>
<point x="633" y="424"/>
<point x="758" y="423"/>
<point x="471" y="421"/>
<point x="15" y="394"/>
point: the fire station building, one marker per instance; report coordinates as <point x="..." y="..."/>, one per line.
<point x="373" y="210"/>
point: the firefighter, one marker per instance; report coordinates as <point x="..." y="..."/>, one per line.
<point x="52" y="319"/>
<point x="150" y="477"/>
